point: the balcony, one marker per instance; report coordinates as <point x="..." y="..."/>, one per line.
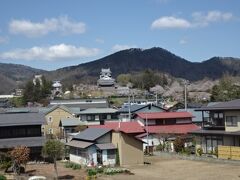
<point x="213" y="123"/>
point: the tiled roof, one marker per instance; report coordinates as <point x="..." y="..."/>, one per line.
<point x="126" y="127"/>
<point x="58" y="106"/>
<point x="91" y="134"/>
<point x="26" y="118"/>
<point x="64" y="122"/>
<point x="229" y="105"/>
<point x="197" y="114"/>
<point x="79" y="144"/>
<point x="98" y="111"/>
<point x="106" y="146"/>
<point x="136" y="107"/>
<point x="172" y="129"/>
<point x="26" y="141"/>
<point x="164" y="115"/>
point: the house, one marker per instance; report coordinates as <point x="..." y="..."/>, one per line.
<point x="130" y="148"/>
<point x="135" y="108"/>
<point x="98" y="115"/>
<point x="22" y="128"/>
<point x="197" y="115"/>
<point x="93" y="146"/>
<point x="164" y="127"/>
<point x="81" y="103"/>
<point x="53" y="117"/>
<point x="69" y="126"/>
<point x="221" y="126"/>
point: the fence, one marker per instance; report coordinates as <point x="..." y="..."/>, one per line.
<point x="229" y="152"/>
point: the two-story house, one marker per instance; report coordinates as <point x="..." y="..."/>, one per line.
<point x="93" y="146"/>
<point x="163" y="127"/>
<point x="98" y="115"/>
<point x="127" y="112"/>
<point x="221" y="126"/>
<point x="22" y="127"/>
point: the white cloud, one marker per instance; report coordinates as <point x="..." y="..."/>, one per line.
<point x="118" y="47"/>
<point x="35" y="29"/>
<point x="199" y="19"/>
<point x="50" y="53"/>
<point x="204" y="19"/>
<point x="100" y="40"/>
<point x="183" y="41"/>
<point x="170" y="22"/>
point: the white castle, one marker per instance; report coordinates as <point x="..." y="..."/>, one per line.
<point x="105" y="78"/>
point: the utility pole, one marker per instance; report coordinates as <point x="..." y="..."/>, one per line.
<point x="129" y="106"/>
<point x="147" y="134"/>
<point x="185" y="95"/>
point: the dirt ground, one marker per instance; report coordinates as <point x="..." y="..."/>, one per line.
<point x="47" y="170"/>
<point x="159" y="168"/>
<point x="176" y="169"/>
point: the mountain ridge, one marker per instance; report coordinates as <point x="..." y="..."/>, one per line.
<point x="132" y="60"/>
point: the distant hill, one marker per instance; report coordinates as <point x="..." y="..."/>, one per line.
<point x="126" y="61"/>
<point x="158" y="59"/>
<point x="13" y="75"/>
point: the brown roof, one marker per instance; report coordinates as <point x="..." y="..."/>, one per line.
<point x="79" y="144"/>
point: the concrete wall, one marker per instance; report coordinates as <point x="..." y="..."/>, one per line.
<point x="232" y="113"/>
<point x="56" y="115"/>
<point x="130" y="149"/>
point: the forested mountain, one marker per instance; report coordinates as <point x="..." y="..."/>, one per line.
<point x="127" y="61"/>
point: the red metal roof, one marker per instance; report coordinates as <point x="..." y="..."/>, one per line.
<point x="126" y="127"/>
<point x="172" y="129"/>
<point x="164" y="115"/>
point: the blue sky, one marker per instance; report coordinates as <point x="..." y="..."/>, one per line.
<point x="52" y="34"/>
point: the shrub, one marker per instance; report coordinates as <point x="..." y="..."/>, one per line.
<point x="2" y="177"/>
<point x="187" y="150"/>
<point x="215" y="151"/>
<point x="92" y="172"/>
<point x="100" y="170"/>
<point x="160" y="147"/>
<point x="200" y="151"/>
<point x="178" y="144"/>
<point x="72" y="165"/>
<point x="112" y="171"/>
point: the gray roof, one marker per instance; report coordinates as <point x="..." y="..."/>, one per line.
<point x="98" y="111"/>
<point x="229" y="105"/>
<point x="197" y="114"/>
<point x="52" y="108"/>
<point x="26" y="141"/>
<point x="106" y="146"/>
<point x="215" y="132"/>
<point x="133" y="108"/>
<point x="79" y="144"/>
<point x="82" y="103"/>
<point x="17" y="119"/>
<point x="91" y="134"/>
<point x="71" y="122"/>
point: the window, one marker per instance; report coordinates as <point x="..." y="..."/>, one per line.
<point x="50" y="119"/>
<point x="109" y="116"/>
<point x="96" y="117"/>
<point x="111" y="153"/>
<point x="50" y="131"/>
<point x="231" y="121"/>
